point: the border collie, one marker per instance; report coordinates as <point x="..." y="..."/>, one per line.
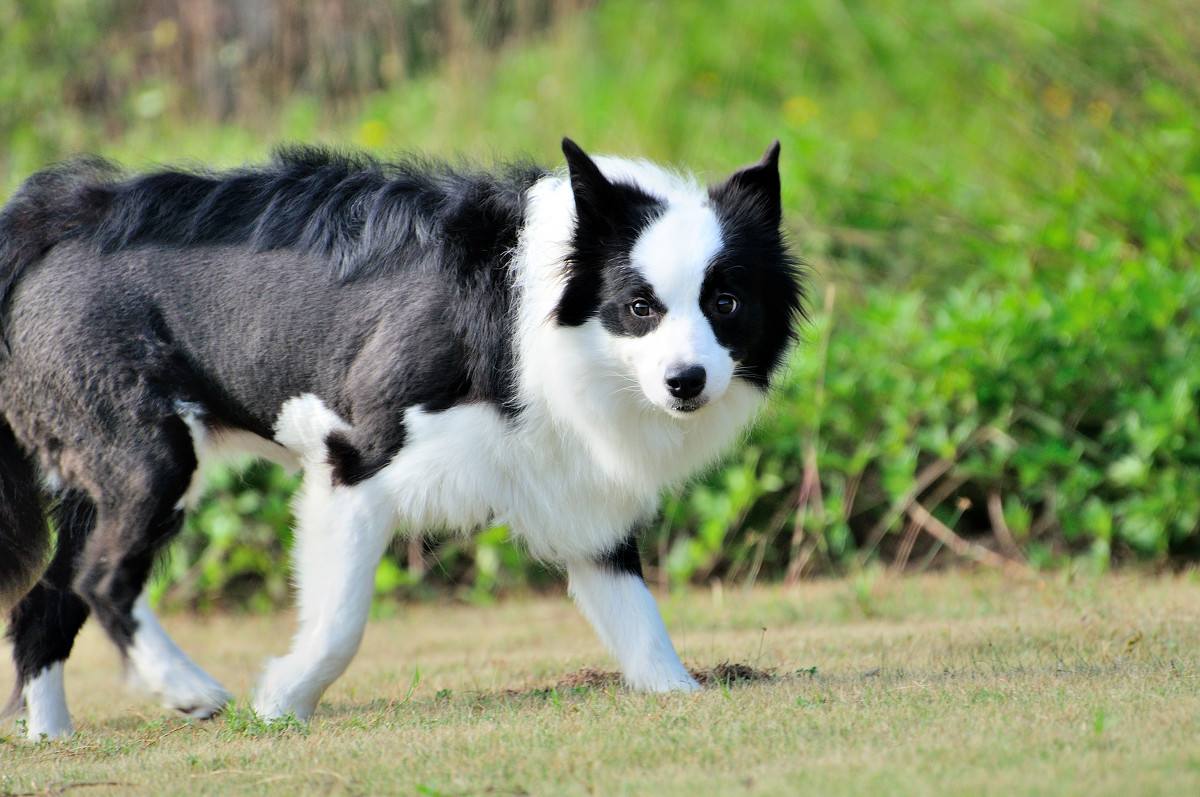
<point x="437" y="348"/>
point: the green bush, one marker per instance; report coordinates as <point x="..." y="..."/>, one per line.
<point x="1071" y="404"/>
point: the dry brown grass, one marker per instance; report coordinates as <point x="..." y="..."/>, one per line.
<point x="942" y="684"/>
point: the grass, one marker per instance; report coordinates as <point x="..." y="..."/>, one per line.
<point x="952" y="683"/>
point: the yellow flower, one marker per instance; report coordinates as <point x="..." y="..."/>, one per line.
<point x="373" y="134"/>
<point x="164" y="34"/>
<point x="799" y="110"/>
<point x="1099" y="113"/>
<point x="1057" y="101"/>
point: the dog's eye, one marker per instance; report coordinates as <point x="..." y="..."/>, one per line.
<point x="726" y="304"/>
<point x="641" y="308"/>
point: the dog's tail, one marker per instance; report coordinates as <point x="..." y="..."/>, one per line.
<point x="53" y="205"/>
<point x="24" y="535"/>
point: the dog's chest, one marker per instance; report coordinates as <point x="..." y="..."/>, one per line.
<point x="469" y="467"/>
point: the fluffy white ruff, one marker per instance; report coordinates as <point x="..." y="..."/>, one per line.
<point x="46" y="713"/>
<point x="158" y="667"/>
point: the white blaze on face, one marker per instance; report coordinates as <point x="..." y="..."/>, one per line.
<point x="673" y="255"/>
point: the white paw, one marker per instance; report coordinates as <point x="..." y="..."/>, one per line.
<point x="37" y="731"/>
<point x="158" y="667"/>
<point x="661" y="677"/>
<point x="286" y="689"/>
<point x="185" y="688"/>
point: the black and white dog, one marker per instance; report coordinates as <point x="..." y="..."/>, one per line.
<point x="436" y="348"/>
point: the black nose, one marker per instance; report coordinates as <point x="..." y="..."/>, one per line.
<point x="686" y="383"/>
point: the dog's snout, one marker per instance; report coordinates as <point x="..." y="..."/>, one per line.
<point x="686" y="382"/>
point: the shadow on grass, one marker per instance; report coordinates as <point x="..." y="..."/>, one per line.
<point x="577" y="684"/>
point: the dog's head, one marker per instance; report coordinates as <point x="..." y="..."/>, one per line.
<point x="694" y="289"/>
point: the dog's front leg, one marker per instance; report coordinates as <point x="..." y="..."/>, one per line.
<point x="341" y="535"/>
<point x="612" y="594"/>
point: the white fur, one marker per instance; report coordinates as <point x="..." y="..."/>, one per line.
<point x="52" y="482"/>
<point x="159" y="667"/>
<point x="341" y="535"/>
<point x="623" y="612"/>
<point x="46" y="705"/>
<point x="673" y="254"/>
<point x="302" y="426"/>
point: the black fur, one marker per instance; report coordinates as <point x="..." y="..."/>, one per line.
<point x="621" y="287"/>
<point x="374" y="286"/>
<point x="285" y="254"/>
<point x="756" y="266"/>
<point x="51" y="206"/>
<point x="609" y="218"/>
<point x="625" y="558"/>
<point x="353" y="464"/>
<point x="43" y="625"/>
<point x="137" y="514"/>
<point x="23" y="533"/>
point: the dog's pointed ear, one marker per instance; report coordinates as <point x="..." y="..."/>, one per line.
<point x="760" y="181"/>
<point x="594" y="194"/>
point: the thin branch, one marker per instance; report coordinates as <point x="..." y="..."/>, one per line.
<point x="810" y="496"/>
<point x="935" y="499"/>
<point x="928" y="475"/>
<point x="968" y="550"/>
<point x="1004" y="536"/>
<point x="906" y="546"/>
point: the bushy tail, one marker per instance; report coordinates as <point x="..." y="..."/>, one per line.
<point x="24" y="536"/>
<point x="51" y="206"/>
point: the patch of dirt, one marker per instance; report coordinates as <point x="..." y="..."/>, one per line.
<point x="591" y="678"/>
<point x="726" y="673"/>
<point x="730" y="673"/>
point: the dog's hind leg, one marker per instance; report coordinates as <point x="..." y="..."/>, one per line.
<point x="612" y="594"/>
<point x="341" y="535"/>
<point x="43" y="626"/>
<point x="137" y="513"/>
<point x="160" y="668"/>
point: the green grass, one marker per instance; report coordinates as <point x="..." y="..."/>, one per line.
<point x="944" y="684"/>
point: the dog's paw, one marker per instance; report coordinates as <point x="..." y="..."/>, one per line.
<point x="41" y="707"/>
<point x="285" y="691"/>
<point x="661" y="677"/>
<point x="180" y="685"/>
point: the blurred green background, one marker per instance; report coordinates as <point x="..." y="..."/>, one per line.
<point x="999" y="202"/>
